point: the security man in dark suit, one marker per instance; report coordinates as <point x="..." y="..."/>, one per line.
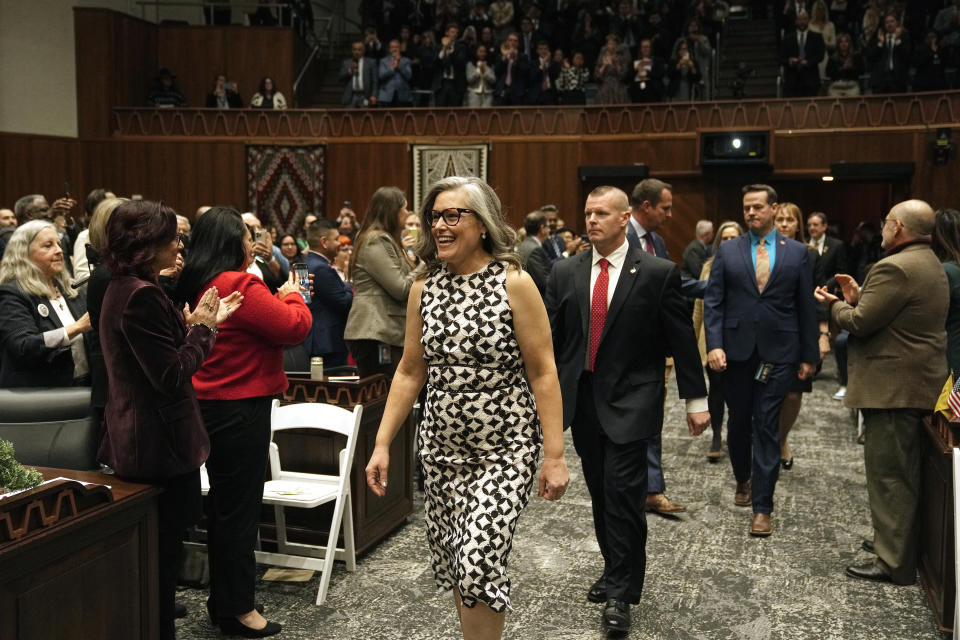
<point x="801" y="53"/>
<point x="616" y="312"/>
<point x="331" y="299"/>
<point x="760" y="323"/>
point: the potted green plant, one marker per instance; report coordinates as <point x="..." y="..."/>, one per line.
<point x="13" y="475"/>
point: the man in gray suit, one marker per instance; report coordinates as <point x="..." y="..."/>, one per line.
<point x="534" y="258"/>
<point x="358" y="74"/>
<point x="897" y="367"/>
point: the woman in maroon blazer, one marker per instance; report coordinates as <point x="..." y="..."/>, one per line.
<point x="154" y="432"/>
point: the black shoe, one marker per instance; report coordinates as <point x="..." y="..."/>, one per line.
<point x="870" y="571"/>
<point x="867" y="545"/>
<point x="215" y="619"/>
<point x="179" y="610"/>
<point x="616" y="615"/>
<point x="598" y="590"/>
<point x="786" y="463"/>
<point x="233" y="627"/>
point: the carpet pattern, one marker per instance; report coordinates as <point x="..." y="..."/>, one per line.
<point x="706" y="578"/>
<point x="284" y="184"/>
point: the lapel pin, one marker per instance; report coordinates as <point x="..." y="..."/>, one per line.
<point x="42" y="310"/>
<point x="633" y="270"/>
<point x="783" y="242"/>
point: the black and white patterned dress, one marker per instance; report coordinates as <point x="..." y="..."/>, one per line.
<point x="480" y="436"/>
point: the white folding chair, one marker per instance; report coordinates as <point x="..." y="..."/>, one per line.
<point x="309" y="490"/>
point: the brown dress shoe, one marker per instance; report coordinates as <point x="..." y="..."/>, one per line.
<point x="761" y="525"/>
<point x="743" y="498"/>
<point x="660" y="503"/>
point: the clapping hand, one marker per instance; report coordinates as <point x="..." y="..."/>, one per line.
<point x="228" y="305"/>
<point x="849" y="287"/>
<point x="206" y="310"/>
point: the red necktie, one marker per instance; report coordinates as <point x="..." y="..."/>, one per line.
<point x="598" y="309"/>
<point x="648" y="244"/>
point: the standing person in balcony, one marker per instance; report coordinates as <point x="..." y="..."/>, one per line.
<point x="395" y="75"/>
<point x="267" y="96"/>
<point x="165" y="94"/>
<point x="611" y="67"/>
<point x="481" y="80"/>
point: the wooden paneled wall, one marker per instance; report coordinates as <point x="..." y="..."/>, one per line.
<point x="118" y="57"/>
<point x="526" y="173"/>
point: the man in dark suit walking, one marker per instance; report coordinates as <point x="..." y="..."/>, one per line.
<point x="800" y="57"/>
<point x="611" y="370"/>
<point x="698" y="250"/>
<point x="532" y="255"/>
<point x="331" y="298"/>
<point x="833" y="252"/>
<point x="760" y="322"/>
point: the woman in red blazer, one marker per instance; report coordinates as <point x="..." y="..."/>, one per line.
<point x="235" y="388"/>
<point x="154" y="431"/>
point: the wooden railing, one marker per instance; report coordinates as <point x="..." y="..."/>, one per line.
<point x="864" y="112"/>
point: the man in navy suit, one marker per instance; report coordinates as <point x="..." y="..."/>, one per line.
<point x="760" y="325"/>
<point x="332" y="297"/>
<point x="611" y="371"/>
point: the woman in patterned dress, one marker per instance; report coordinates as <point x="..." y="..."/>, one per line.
<point x="475" y="325"/>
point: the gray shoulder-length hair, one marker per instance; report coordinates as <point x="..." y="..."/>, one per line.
<point x="483" y="200"/>
<point x="17" y="266"/>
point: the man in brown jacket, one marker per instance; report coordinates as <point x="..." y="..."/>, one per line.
<point x="897" y="368"/>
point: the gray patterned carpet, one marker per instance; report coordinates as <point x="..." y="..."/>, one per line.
<point x="706" y="578"/>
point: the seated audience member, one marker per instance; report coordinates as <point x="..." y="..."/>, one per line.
<point x="481" y="79"/>
<point x="450" y="74"/>
<point x="534" y="259"/>
<point x="235" y="387"/>
<point x="380" y="268"/>
<point x="610" y="72"/>
<point x="150" y="356"/>
<point x="267" y="262"/>
<point x="543" y="88"/>
<point x="165" y="94"/>
<point x="290" y="249"/>
<point x="646" y="78"/>
<point x="395" y="76"/>
<point x="888" y="55"/>
<point x="930" y="63"/>
<point x="573" y="80"/>
<point x="358" y="75"/>
<point x="800" y="55"/>
<point x="513" y="73"/>
<point x="844" y="68"/>
<point x="81" y="265"/>
<point x="331" y="298"/>
<point x="267" y="96"/>
<point x="42" y="317"/>
<point x="224" y="95"/>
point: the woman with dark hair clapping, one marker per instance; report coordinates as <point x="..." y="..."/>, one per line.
<point x="154" y="432"/>
<point x="267" y="96"/>
<point x="235" y="388"/>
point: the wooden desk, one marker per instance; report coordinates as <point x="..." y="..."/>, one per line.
<point x="86" y="566"/>
<point x="308" y="451"/>
<point x="936" y="553"/>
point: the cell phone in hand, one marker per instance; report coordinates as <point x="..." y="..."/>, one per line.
<point x="260" y="236"/>
<point x="302" y="274"/>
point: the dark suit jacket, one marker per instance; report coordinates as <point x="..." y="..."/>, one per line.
<point x="329" y="305"/>
<point x="554" y="247"/>
<point x="520" y="80"/>
<point x="535" y="262"/>
<point x="802" y="80"/>
<point x="153" y="423"/>
<point x="647" y="321"/>
<point x="26" y="361"/>
<point x="883" y="79"/>
<point x="780" y="323"/>
<point x="833" y="260"/>
<point x="693" y="258"/>
<point x="369" y="80"/>
<point x="692" y="287"/>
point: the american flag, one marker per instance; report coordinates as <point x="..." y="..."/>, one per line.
<point x="953" y="400"/>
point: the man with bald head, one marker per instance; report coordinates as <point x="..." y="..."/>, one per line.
<point x="616" y="311"/>
<point x="897" y="366"/>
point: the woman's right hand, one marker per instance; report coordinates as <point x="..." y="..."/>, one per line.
<point x="82" y="325"/>
<point x="377" y="471"/>
<point x="206" y="310"/>
<point x="290" y="286"/>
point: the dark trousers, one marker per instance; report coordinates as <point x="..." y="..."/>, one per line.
<point x="655" y="480"/>
<point x="891" y="453"/>
<point x="715" y="402"/>
<point x="840" y="353"/>
<point x="447" y="94"/>
<point x="753" y="431"/>
<point x="178" y="507"/>
<point x="616" y="477"/>
<point x="366" y="353"/>
<point x="239" y="440"/>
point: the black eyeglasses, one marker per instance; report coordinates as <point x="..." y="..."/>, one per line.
<point x="182" y="238"/>
<point x="884" y="219"/>
<point x="451" y="216"/>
